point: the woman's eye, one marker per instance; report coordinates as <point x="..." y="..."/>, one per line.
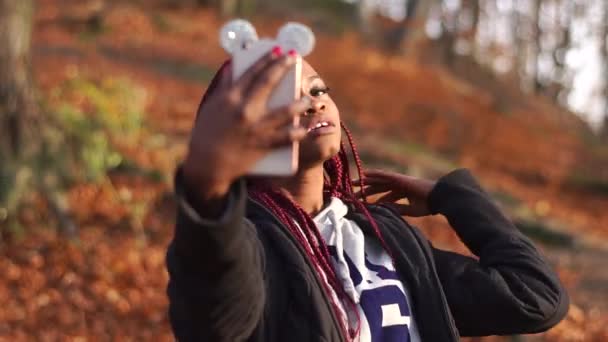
<point x="319" y="91"/>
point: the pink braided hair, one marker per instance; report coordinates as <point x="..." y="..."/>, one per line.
<point x="337" y="183"/>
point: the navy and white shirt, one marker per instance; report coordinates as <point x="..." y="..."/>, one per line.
<point x="369" y="278"/>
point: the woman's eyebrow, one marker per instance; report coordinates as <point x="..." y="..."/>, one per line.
<point x="313" y="77"/>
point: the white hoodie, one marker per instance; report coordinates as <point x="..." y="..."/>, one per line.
<point x="369" y="278"/>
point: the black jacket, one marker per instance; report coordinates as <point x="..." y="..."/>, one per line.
<point x="244" y="277"/>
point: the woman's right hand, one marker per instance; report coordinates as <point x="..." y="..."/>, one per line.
<point x="234" y="128"/>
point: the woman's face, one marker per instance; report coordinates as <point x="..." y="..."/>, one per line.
<point x="322" y="118"/>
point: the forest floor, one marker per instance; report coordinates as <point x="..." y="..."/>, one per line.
<point x="108" y="283"/>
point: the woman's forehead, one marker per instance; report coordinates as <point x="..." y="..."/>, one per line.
<point x="308" y="70"/>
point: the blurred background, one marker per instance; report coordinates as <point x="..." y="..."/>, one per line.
<point x="97" y="98"/>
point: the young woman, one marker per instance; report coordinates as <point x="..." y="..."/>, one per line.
<point x="304" y="258"/>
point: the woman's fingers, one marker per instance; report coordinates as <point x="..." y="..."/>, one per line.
<point x="281" y="121"/>
<point x="284" y="116"/>
<point x="219" y="84"/>
<point x="244" y="82"/>
<point x="405" y="183"/>
<point x="285" y="137"/>
<point x="374" y="189"/>
<point x="390" y="197"/>
<point x="371" y="181"/>
<point x="266" y="81"/>
<point x="225" y="77"/>
<point x="378" y="173"/>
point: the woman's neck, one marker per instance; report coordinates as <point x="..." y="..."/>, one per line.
<point x="305" y="188"/>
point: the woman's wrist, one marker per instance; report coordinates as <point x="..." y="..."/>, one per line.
<point x="205" y="192"/>
<point x="205" y="177"/>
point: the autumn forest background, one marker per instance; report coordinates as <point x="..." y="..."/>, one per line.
<point x="97" y="98"/>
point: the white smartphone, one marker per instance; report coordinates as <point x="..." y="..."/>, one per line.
<point x="282" y="161"/>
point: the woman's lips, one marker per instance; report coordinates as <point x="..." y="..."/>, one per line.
<point x="319" y="124"/>
<point x="321" y="128"/>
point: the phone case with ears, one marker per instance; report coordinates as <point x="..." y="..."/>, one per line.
<point x="282" y="161"/>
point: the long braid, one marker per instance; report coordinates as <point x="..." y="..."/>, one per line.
<point x="358" y="162"/>
<point x="345" y="181"/>
<point x="313" y="245"/>
<point x="337" y="183"/>
<point x="357" y="203"/>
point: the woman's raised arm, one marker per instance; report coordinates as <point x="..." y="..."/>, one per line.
<point x="511" y="289"/>
<point x="215" y="261"/>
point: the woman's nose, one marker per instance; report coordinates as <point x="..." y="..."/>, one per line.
<point x="315" y="108"/>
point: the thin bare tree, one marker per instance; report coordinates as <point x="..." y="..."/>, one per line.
<point x="604" y="53"/>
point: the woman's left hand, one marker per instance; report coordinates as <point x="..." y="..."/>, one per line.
<point x="398" y="186"/>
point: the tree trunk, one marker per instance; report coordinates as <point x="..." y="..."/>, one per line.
<point x="520" y="45"/>
<point x="365" y="19"/>
<point x="560" y="83"/>
<point x="445" y="44"/>
<point x="604" y="53"/>
<point x="416" y="23"/>
<point x="17" y="105"/>
<point x="535" y="48"/>
<point x="475" y="9"/>
<point x="231" y="8"/>
<point x="18" y="112"/>
<point x="395" y="38"/>
<point x="227" y="8"/>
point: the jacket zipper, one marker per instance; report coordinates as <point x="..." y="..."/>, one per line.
<point x="308" y="262"/>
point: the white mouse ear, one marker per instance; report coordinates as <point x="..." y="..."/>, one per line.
<point x="236" y="34"/>
<point x="298" y="37"/>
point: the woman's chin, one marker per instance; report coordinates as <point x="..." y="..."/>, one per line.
<point x="317" y="156"/>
